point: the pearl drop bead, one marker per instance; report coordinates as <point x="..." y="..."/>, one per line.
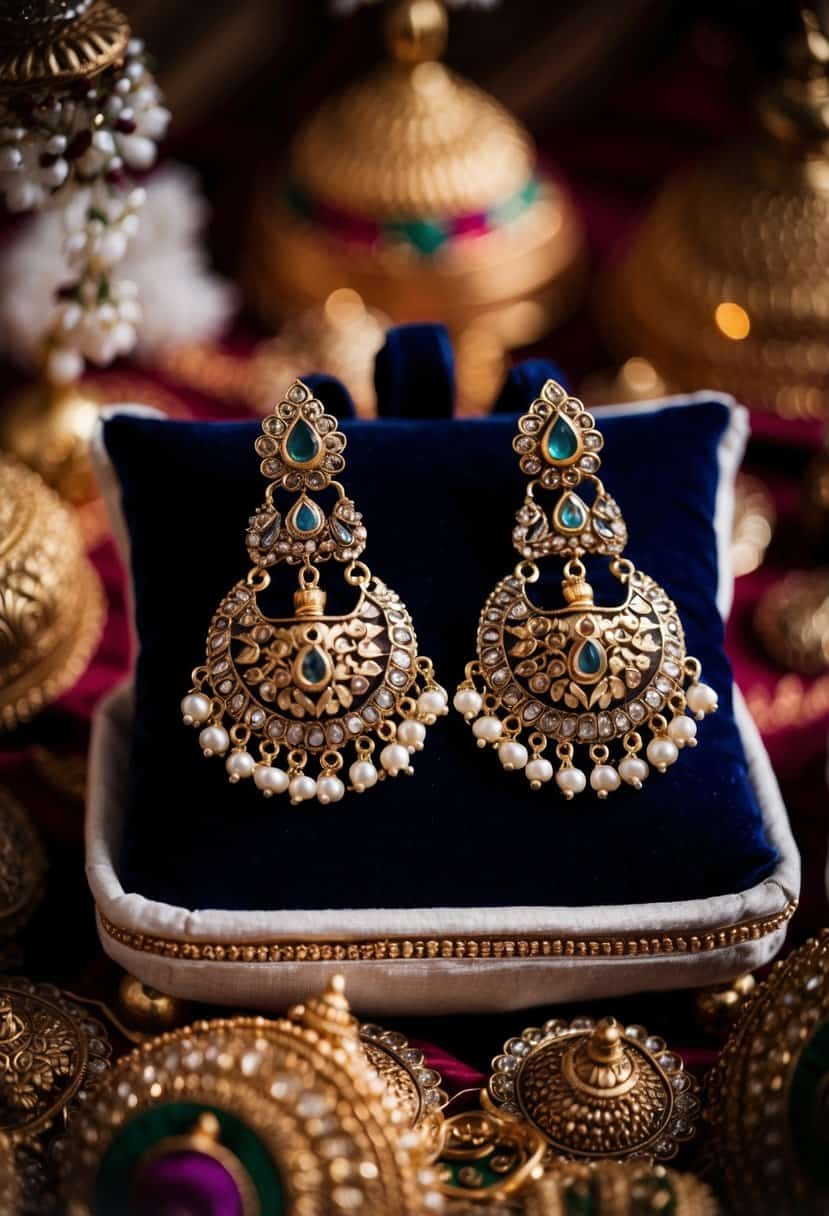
<point x="214" y="740"/>
<point x="683" y="730"/>
<point x="570" y="781"/>
<point x="329" y="789"/>
<point x="239" y="765"/>
<point x="411" y="734"/>
<point x="270" y="780"/>
<point x="302" y="788"/>
<point x="512" y="755"/>
<point x="362" y="775"/>
<point x="633" y="770"/>
<point x="394" y="759"/>
<point x="487" y="730"/>
<point x="702" y="699"/>
<point x="604" y="778"/>
<point x="538" y="771"/>
<point x="662" y="752"/>
<point x="195" y="708"/>
<point x="432" y="703"/>
<point x="468" y="702"/>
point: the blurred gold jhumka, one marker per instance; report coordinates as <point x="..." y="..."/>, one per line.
<point x="421" y="193"/>
<point x="727" y="284"/>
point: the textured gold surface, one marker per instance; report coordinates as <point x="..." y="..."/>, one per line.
<point x="764" y="1161"/>
<point x="618" y="1189"/>
<point x="49" y="1050"/>
<point x="44" y="49"/>
<point x="22" y="865"/>
<point x="9" y="1183"/>
<point x="596" y="1090"/>
<point x="413" y="141"/>
<point x="467" y="948"/>
<point x="416" y="1089"/>
<point x="51" y="602"/>
<point x="257" y="1070"/>
<point x="726" y="285"/>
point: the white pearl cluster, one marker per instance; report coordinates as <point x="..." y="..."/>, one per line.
<point x="662" y="751"/>
<point x="395" y="756"/>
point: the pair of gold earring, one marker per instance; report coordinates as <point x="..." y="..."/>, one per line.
<point x="305" y="690"/>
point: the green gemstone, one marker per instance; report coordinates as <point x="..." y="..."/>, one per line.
<point x="314" y="667"/>
<point x="302" y="444"/>
<point x="571" y="513"/>
<point x="426" y="236"/>
<point x="306" y="518"/>
<point x="589" y="659"/>
<point x="562" y="441"/>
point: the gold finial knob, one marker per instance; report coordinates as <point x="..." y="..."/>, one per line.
<point x="605" y="1043"/>
<point x="309" y="601"/>
<point x="600" y="1063"/>
<point x="577" y="592"/>
<point x="329" y="1012"/>
<point x="416" y="30"/>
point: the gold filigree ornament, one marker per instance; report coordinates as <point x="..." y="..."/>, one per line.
<point x="596" y="1090"/>
<point x="273" y="1117"/>
<point x="51" y="1054"/>
<point x="583" y="675"/>
<point x="22" y="866"/>
<point x="415" y="1087"/>
<point x="310" y="685"/>
<point x="769" y="1092"/>
<point x="484" y="1156"/>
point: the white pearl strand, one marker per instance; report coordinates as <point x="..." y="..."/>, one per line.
<point x="196" y="709"/>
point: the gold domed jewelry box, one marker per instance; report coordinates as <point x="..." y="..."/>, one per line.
<point x="280" y="1116"/>
<point x="420" y="192"/>
<point x="51" y="601"/>
<point x="768" y="1092"/>
<point x="596" y="1090"/>
<point x="22" y="865"/>
<point x="725" y="285"/>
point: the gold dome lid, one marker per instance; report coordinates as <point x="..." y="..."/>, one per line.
<point x="726" y="285"/>
<point x="422" y="193"/>
<point x="48" y="43"/>
<point x="596" y="1089"/>
<point x="51" y="601"/>
<point x="768" y="1092"/>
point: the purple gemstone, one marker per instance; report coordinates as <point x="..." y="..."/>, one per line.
<point x="186" y="1183"/>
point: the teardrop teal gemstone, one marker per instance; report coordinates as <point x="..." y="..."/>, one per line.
<point x="571" y="513"/>
<point x="306" y="518"/>
<point x="341" y="532"/>
<point x="562" y="441"/>
<point x="302" y="444"/>
<point x="314" y="667"/>
<point x="589" y="659"/>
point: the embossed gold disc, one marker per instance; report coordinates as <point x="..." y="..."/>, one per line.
<point x="416" y="1088"/>
<point x="22" y="865"/>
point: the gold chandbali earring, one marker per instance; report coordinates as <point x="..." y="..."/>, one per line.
<point x="582" y="675"/>
<point x="310" y="685"/>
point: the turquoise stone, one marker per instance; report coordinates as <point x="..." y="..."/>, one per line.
<point x="562" y="441"/>
<point x="341" y="532"/>
<point x="306" y="518"/>
<point x="589" y="659"/>
<point x="571" y="513"/>
<point x="313" y="667"/>
<point x="302" y="444"/>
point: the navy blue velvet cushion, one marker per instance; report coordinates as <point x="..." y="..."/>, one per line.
<point x="438" y="497"/>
